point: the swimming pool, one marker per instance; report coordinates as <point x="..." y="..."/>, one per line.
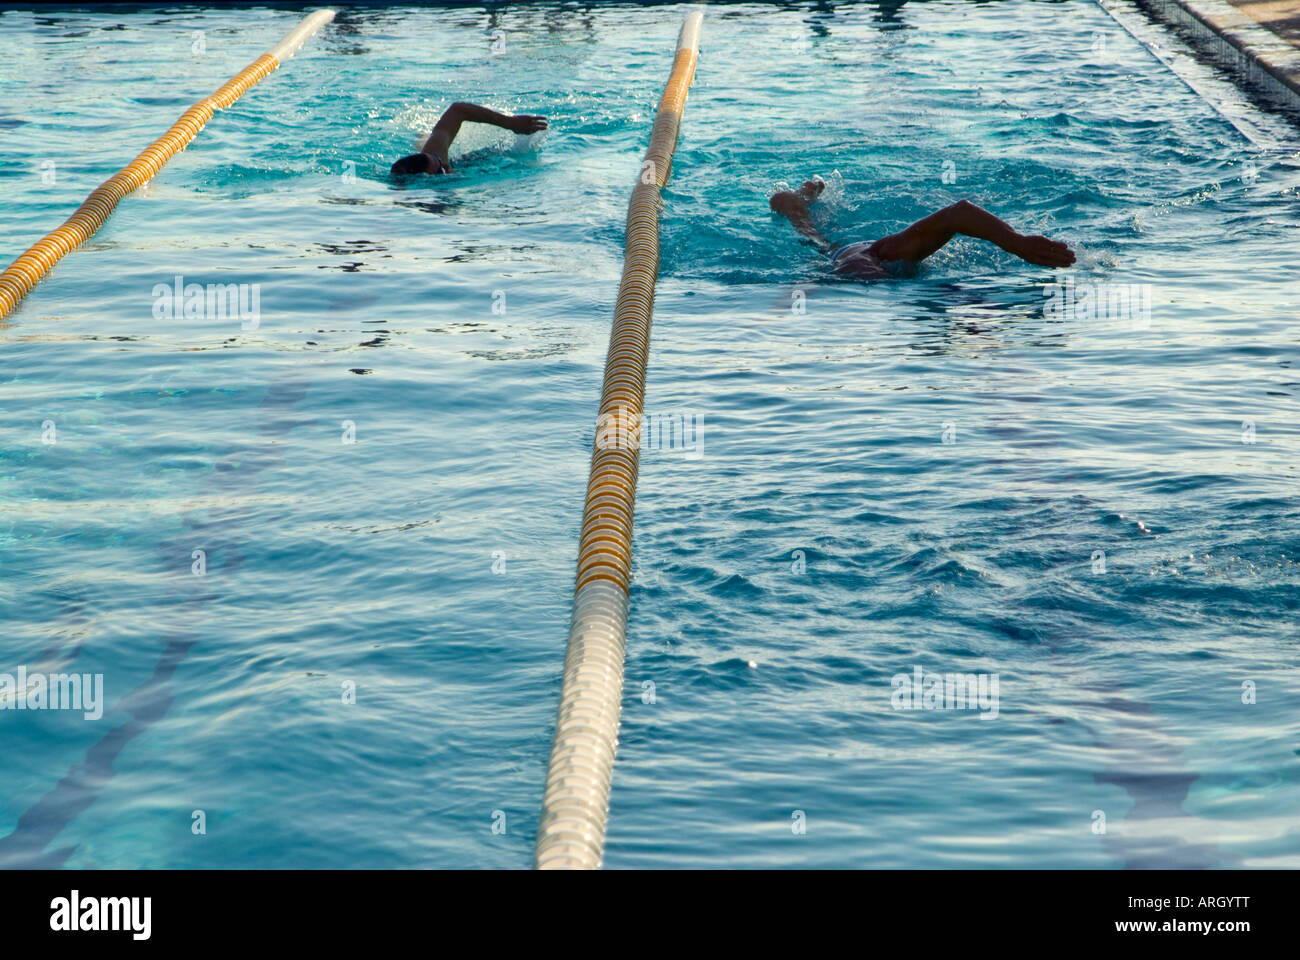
<point x="826" y="540"/>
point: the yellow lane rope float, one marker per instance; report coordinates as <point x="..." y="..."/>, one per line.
<point x="40" y="258"/>
<point x="571" y="832"/>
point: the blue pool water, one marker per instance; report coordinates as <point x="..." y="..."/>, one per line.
<point x="827" y="539"/>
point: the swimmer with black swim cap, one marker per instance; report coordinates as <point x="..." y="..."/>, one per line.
<point x="870" y="260"/>
<point x="432" y="157"/>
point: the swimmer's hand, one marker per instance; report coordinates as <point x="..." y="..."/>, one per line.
<point x="788" y="201"/>
<point x="1041" y="251"/>
<point x="525" y="123"/>
<point x="793" y="204"/>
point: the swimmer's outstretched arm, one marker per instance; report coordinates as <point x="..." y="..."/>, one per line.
<point x="793" y="204"/>
<point x="448" y="125"/>
<point x="930" y="233"/>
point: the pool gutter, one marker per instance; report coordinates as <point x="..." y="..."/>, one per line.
<point x="1239" y="41"/>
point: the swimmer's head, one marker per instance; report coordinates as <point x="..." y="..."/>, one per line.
<point x="420" y="163"/>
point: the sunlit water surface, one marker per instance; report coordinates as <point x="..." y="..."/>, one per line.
<point x="826" y="540"/>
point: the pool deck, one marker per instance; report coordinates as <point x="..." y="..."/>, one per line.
<point x="1261" y="38"/>
<point x="1282" y="17"/>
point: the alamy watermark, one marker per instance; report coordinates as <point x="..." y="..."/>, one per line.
<point x="55" y="691"/>
<point x="75" y="913"/>
<point x="1068" y="299"/>
<point x="919" y="690"/>
<point x="666" y="432"/>
<point x="216" y="301"/>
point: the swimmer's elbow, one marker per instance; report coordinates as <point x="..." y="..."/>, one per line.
<point x="959" y="216"/>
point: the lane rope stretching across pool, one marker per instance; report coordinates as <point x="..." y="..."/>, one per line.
<point x="571" y="832"/>
<point x="25" y="272"/>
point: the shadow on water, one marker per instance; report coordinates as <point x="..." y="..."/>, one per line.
<point x="1146" y="762"/>
<point x="39" y="826"/>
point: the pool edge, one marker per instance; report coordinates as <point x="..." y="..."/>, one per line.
<point x="1232" y="36"/>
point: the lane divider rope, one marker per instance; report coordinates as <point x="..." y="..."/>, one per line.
<point x="571" y="832"/>
<point x="25" y="272"/>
